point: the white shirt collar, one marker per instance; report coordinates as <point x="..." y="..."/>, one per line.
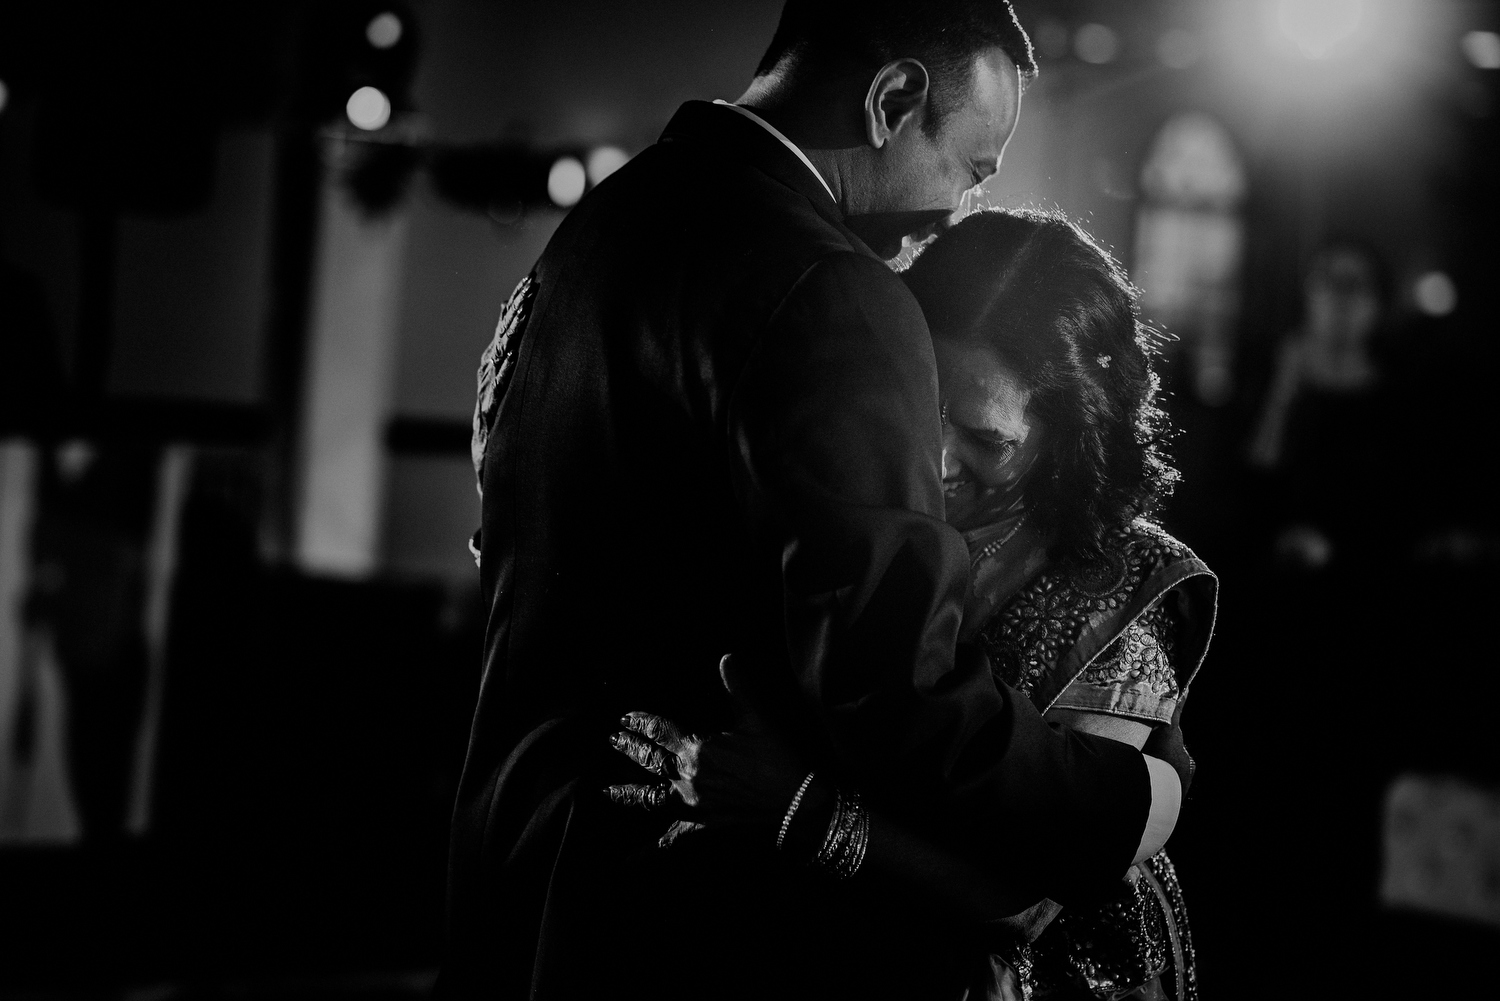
<point x="784" y="141"/>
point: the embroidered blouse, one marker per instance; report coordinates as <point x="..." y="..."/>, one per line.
<point x="1122" y="636"/>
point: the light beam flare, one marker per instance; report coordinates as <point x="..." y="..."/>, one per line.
<point x="1318" y="27"/>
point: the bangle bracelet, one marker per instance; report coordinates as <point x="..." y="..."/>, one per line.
<point x="786" y="821"/>
<point x="844" y="845"/>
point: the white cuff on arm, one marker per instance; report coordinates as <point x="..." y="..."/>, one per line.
<point x="1166" y="804"/>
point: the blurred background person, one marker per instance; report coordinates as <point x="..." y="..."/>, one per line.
<point x="1325" y="527"/>
<point x="1328" y="427"/>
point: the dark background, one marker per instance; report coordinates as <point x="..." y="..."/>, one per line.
<point x="239" y="627"/>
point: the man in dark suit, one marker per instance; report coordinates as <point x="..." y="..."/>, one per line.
<point x="709" y="422"/>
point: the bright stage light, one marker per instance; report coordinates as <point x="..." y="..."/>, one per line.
<point x="1483" y="49"/>
<point x="384" y="30"/>
<point x="605" y="160"/>
<point x="1435" y="294"/>
<point x="1096" y="43"/>
<point x="369" y="109"/>
<point x="1319" y="26"/>
<point x="566" y="181"/>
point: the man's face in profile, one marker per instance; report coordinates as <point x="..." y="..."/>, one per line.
<point x="972" y="137"/>
<point x="921" y="178"/>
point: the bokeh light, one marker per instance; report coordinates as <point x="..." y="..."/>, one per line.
<point x="1435" y="294"/>
<point x="1178" y="49"/>
<point x="4" y="96"/>
<point x="1319" y="26"/>
<point x="605" y="160"/>
<point x="566" y="181"/>
<point x="1482" y="48"/>
<point x="369" y="108"/>
<point x="1096" y="43"/>
<point x="384" y="30"/>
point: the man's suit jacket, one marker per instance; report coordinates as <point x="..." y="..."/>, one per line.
<point x="716" y="429"/>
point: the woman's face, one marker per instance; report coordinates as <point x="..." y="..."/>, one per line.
<point x="989" y="439"/>
<point x="1343" y="299"/>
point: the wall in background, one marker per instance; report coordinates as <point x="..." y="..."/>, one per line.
<point x="575" y="74"/>
<point x="586" y="71"/>
<point x="191" y="293"/>
<point x="460" y="268"/>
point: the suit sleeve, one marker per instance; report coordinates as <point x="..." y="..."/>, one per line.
<point x="836" y="441"/>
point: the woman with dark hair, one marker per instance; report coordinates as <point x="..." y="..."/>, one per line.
<point x="1323" y="476"/>
<point x="1052" y="466"/>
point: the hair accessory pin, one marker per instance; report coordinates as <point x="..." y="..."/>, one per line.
<point x="1104" y="360"/>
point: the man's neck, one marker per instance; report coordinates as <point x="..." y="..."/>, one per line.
<point x="801" y="114"/>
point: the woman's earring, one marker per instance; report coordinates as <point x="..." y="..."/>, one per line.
<point x="943" y="414"/>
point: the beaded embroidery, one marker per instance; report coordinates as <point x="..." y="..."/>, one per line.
<point x="1027" y="637"/>
<point x="1105" y="951"/>
<point x="1115" y="949"/>
<point x="1166" y="875"/>
<point x="1126" y="944"/>
<point x="1140" y="657"/>
<point x="497" y="365"/>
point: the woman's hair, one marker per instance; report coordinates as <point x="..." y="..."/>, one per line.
<point x="1063" y="315"/>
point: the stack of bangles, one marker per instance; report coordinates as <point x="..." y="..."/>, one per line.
<point x="847" y="838"/>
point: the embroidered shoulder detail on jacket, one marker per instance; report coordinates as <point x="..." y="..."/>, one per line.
<point x="497" y="365"/>
<point x="1029" y="636"/>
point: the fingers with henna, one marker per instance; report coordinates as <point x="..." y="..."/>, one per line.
<point x="657" y="729"/>
<point x="643" y="752"/>
<point x="646" y="797"/>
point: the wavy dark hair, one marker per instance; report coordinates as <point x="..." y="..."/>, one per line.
<point x="1062" y="314"/>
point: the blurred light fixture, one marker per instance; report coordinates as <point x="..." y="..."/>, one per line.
<point x="1178" y="49"/>
<point x="605" y="160"/>
<point x="1319" y="26"/>
<point x="1052" y="38"/>
<point x="566" y="181"/>
<point x="1482" y="49"/>
<point x="1096" y="43"/>
<point x="384" y="30"/>
<point x="1435" y="294"/>
<point x="369" y="108"/>
<point x="73" y="458"/>
<point x="4" y="96"/>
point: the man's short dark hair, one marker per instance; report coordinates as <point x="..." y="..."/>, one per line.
<point x="830" y="35"/>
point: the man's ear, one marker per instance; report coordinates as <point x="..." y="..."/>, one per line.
<point x="896" y="100"/>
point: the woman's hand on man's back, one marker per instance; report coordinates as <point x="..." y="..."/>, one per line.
<point x="745" y="776"/>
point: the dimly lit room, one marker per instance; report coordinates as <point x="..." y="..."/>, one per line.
<point x="971" y="378"/>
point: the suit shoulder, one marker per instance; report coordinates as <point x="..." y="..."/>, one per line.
<point x="847" y="282"/>
<point x="844" y="264"/>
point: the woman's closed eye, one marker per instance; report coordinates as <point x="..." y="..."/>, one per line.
<point x="998" y="450"/>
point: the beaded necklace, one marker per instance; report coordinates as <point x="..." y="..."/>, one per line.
<point x="993" y="547"/>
